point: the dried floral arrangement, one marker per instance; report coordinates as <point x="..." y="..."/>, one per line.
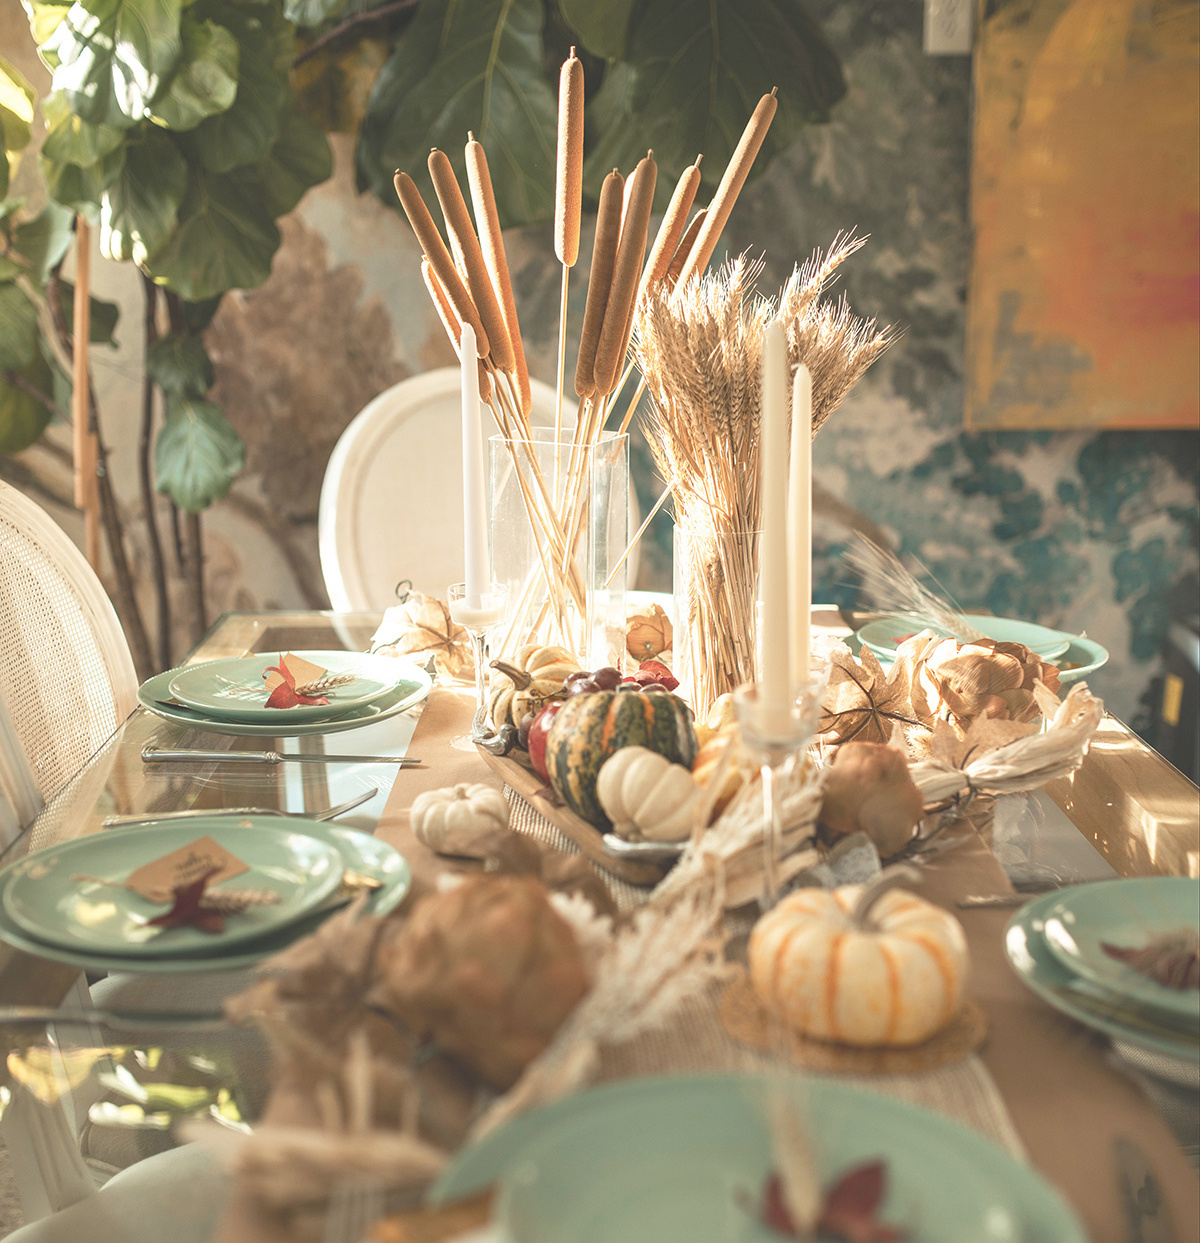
<point x="699" y="347"/>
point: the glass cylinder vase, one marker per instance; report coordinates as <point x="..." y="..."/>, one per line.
<point x="559" y="530"/>
<point x="716" y="610"/>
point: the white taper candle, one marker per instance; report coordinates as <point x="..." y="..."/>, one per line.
<point x="800" y="522"/>
<point x="776" y="649"/>
<point x="475" y="532"/>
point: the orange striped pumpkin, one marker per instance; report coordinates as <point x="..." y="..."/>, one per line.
<point x="892" y="977"/>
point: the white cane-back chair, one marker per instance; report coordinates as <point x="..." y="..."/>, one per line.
<point x="391" y="501"/>
<point x="66" y="677"/>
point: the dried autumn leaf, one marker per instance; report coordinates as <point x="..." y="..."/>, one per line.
<point x="957" y="749"/>
<point x="863" y="703"/>
<point x="1171" y="959"/>
<point x="285" y="694"/>
<point x="422" y="625"/>
<point x="187" y="909"/>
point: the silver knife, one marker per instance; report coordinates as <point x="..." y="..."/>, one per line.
<point x="163" y="755"/>
<point x="193" y="813"/>
<point x="1146" y="1211"/>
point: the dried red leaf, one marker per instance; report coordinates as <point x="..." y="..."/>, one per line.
<point x="1171" y="959"/>
<point x="187" y="909"/>
<point x="848" y="1212"/>
<point x="284" y="695"/>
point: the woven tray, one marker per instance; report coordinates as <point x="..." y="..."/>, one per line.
<point x="517" y="772"/>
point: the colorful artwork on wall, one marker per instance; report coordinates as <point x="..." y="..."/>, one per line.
<point x="1086" y="210"/>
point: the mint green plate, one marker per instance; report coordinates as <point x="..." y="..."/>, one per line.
<point x="359" y="852"/>
<point x="1080" y="999"/>
<point x="412" y="684"/>
<point x="46" y="898"/>
<point x="884" y="635"/>
<point x="1125" y="913"/>
<point x="215" y="686"/>
<point x="668" y="1160"/>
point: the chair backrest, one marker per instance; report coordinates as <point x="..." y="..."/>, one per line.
<point x="391" y="501"/>
<point x="66" y="677"/>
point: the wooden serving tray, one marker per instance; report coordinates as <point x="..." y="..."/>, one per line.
<point x="518" y="773"/>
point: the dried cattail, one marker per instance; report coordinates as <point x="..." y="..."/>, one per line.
<point x="439" y="258"/>
<point x="604" y="253"/>
<point x="686" y="242"/>
<point x="631" y="250"/>
<point x="452" y="324"/>
<point x="568" y="186"/>
<point x="479" y="282"/>
<point x="731" y="185"/>
<point x="672" y="227"/>
<point x="491" y="239"/>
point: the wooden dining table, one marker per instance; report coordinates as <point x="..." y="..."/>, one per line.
<point x="1059" y="1088"/>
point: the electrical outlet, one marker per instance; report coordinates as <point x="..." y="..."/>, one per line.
<point x="948" y="26"/>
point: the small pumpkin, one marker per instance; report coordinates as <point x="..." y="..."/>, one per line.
<point x="862" y="965"/>
<point x="459" y="820"/>
<point x="648" y="632"/>
<point x="710" y="760"/>
<point x="535" y="675"/>
<point x="647" y="797"/>
<point x="589" y="728"/>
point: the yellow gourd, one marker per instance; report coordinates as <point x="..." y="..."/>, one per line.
<point x="536" y="674"/>
<point x="859" y="965"/>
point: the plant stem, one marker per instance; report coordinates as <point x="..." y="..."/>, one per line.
<point x="19" y="381"/>
<point x="145" y="440"/>
<point x="195" y="563"/>
<point x="125" y="597"/>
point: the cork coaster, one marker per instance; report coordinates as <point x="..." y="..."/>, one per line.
<point x="745" y="1020"/>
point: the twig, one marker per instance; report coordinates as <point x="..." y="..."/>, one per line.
<point x="19" y="381"/>
<point x="146" y="480"/>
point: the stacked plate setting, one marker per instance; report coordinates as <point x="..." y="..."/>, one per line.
<point x="225" y="696"/>
<point x="1056" y="945"/>
<point x="69" y="903"/>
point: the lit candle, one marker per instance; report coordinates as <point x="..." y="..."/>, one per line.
<point x="800" y="521"/>
<point x="776" y="647"/>
<point x="474" y="487"/>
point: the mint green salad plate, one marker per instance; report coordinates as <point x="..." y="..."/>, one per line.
<point x="885" y="634"/>
<point x="1125" y="913"/>
<point x="359" y="852"/>
<point x="684" y="1160"/>
<point x="412" y="684"/>
<point x="52" y="895"/>
<point x="1077" y="997"/>
<point x="219" y="687"/>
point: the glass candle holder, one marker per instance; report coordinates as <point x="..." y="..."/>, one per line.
<point x="777" y="725"/>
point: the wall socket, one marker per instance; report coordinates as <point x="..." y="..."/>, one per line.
<point x="948" y="27"/>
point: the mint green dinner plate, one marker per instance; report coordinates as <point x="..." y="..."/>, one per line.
<point x="215" y="687"/>
<point x="412" y="684"/>
<point x="46" y="896"/>
<point x="884" y="635"/>
<point x="360" y="852"/>
<point x="1076" y="996"/>
<point x="1125" y="913"/>
<point x="683" y="1160"/>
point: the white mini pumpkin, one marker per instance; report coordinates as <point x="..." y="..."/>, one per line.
<point x="460" y="819"/>
<point x="647" y="797"/>
<point x="889" y="974"/>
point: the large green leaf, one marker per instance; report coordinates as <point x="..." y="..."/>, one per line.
<point x="18" y="328"/>
<point x="197" y="455"/>
<point x="141" y="205"/>
<point x="685" y="97"/>
<point x="81" y="189"/>
<point x="197" y="316"/>
<point x="102" y="316"/>
<point x="70" y="140"/>
<point x="45" y="16"/>
<point x="22" y="416"/>
<point x="114" y="56"/>
<point x="45" y="239"/>
<point x="602" y="25"/>
<point x="300" y="159"/>
<point x="10" y="270"/>
<point x="311" y="12"/>
<point x="246" y="130"/>
<point x="16" y="107"/>
<point x="226" y="239"/>
<point x="205" y="81"/>
<point x="180" y="364"/>
<point x="467" y="65"/>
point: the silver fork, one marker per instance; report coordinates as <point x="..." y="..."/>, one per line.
<point x="329" y="813"/>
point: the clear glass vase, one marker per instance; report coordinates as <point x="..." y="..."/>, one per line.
<point x="560" y="526"/>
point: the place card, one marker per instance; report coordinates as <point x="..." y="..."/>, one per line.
<point x="303" y="672"/>
<point x="159" y="879"/>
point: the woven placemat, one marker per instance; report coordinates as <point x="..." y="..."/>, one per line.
<point x="746" y="1020"/>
